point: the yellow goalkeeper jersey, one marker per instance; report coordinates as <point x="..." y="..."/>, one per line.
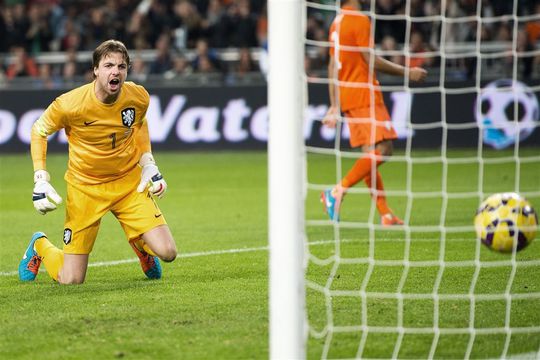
<point x="106" y="141"/>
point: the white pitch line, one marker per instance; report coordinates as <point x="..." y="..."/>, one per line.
<point x="525" y="356"/>
<point x="186" y="255"/>
<point x="232" y="251"/>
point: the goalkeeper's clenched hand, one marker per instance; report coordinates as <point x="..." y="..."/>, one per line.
<point x="45" y="197"/>
<point x="151" y="175"/>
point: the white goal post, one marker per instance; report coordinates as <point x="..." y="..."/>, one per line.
<point x="285" y="163"/>
<point x="429" y="288"/>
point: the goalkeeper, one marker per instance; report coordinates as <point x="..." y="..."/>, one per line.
<point x="110" y="168"/>
<point x="359" y="98"/>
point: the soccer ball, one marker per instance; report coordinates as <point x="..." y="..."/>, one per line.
<point x="506" y="110"/>
<point x="505" y="221"/>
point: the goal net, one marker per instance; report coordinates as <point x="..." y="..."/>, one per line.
<point x="429" y="288"/>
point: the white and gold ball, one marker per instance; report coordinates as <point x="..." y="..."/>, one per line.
<point x="506" y="221"/>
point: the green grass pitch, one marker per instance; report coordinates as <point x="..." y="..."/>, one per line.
<point x="213" y="300"/>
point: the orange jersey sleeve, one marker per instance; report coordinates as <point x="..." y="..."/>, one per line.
<point x="103" y="138"/>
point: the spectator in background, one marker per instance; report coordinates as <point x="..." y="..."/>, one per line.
<point x="532" y="32"/>
<point x="69" y="73"/>
<point x="314" y="26"/>
<point x="72" y="66"/>
<point x="54" y="13"/>
<point x="21" y="64"/>
<point x="309" y="68"/>
<point x="138" y="71"/>
<point x="504" y="33"/>
<point x="211" y="22"/>
<point x="46" y="79"/>
<point x="391" y="27"/>
<point x="188" y="24"/>
<point x="262" y="27"/>
<point x="140" y="42"/>
<point x="527" y="63"/>
<point x="245" y="62"/>
<point x="17" y="25"/>
<point x="501" y="7"/>
<point x="163" y="61"/>
<point x="180" y="68"/>
<point x="3" y="32"/>
<point x="245" y="30"/>
<point x="96" y="29"/>
<point x="39" y="34"/>
<point x="137" y="28"/>
<point x="206" y="59"/>
<point x="117" y="12"/>
<point x="532" y="28"/>
<point x="2" y="75"/>
<point x="237" y="27"/>
<point x="205" y="65"/>
<point x="390" y="51"/>
<point x="159" y="20"/>
<point x="316" y="31"/>
<point x="418" y="46"/>
<point x="71" y="38"/>
<point x="456" y="31"/>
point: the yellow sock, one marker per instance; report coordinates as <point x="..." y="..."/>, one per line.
<point x="141" y="245"/>
<point x="52" y="257"/>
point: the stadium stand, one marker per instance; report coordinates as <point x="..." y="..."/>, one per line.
<point x="48" y="43"/>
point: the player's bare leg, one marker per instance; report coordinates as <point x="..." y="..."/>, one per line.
<point x="74" y="269"/>
<point x="161" y="242"/>
<point x="385" y="148"/>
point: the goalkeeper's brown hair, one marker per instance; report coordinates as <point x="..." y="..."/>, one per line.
<point x="107" y="47"/>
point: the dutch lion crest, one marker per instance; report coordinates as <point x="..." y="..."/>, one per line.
<point x="67" y="235"/>
<point x="128" y="116"/>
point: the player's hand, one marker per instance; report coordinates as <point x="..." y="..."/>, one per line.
<point x="151" y="175"/>
<point x="417" y="74"/>
<point x="331" y="117"/>
<point x="45" y="198"/>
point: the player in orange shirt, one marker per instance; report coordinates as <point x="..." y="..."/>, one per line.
<point x="110" y="168"/>
<point x="359" y="98"/>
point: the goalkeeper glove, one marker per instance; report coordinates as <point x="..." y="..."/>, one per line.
<point x="45" y="197"/>
<point x="151" y="175"/>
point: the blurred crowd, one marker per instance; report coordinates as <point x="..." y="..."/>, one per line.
<point x="411" y="33"/>
<point x="406" y="32"/>
<point x="29" y="28"/>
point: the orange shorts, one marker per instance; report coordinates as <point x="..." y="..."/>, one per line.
<point x="364" y="130"/>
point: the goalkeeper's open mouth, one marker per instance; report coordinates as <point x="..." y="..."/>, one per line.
<point x="114" y="85"/>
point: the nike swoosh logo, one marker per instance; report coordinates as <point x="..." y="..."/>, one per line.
<point x="89" y="122"/>
<point x="158" y="215"/>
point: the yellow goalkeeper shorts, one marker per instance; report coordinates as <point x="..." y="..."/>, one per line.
<point x="86" y="205"/>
